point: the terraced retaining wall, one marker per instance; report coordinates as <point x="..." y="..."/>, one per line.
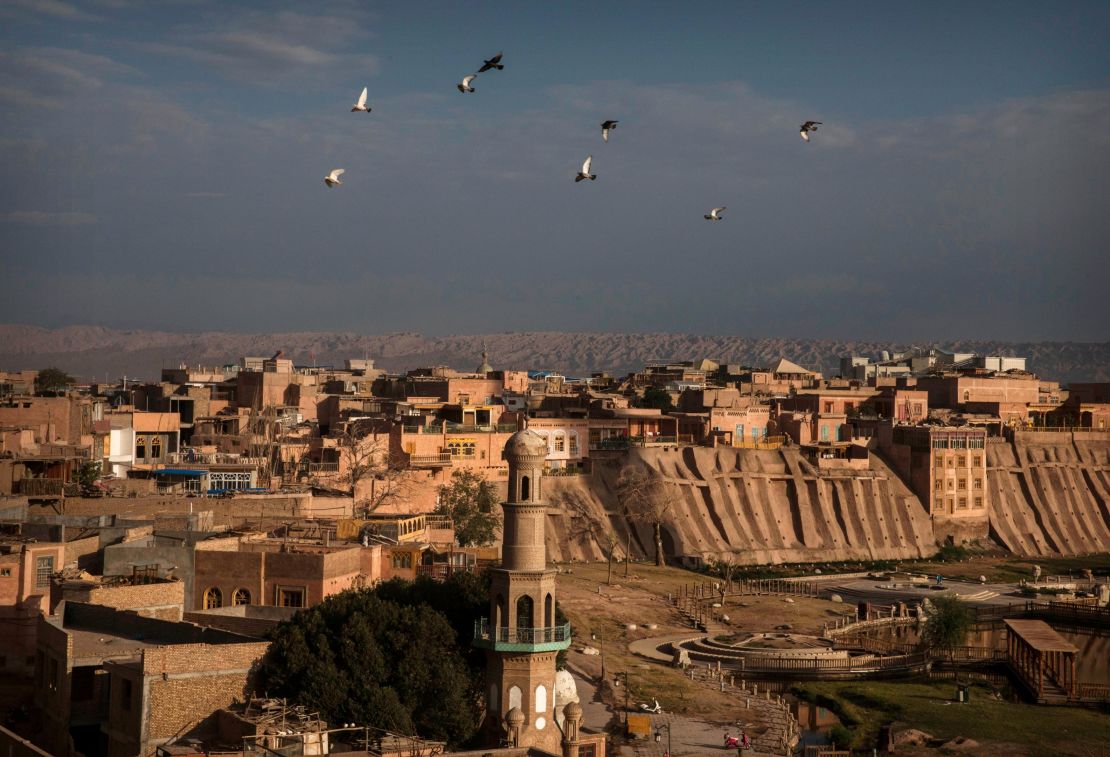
<point x="759" y="506"/>
<point x="1049" y="492"/>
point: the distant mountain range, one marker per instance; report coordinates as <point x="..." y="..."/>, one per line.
<point x="91" y="352"/>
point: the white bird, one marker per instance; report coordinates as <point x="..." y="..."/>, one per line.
<point x="585" y="172"/>
<point x="333" y="178"/>
<point x="715" y="215"/>
<point x="361" y="104"/>
<point x="464" y="85"/>
<point x="606" y="126"/>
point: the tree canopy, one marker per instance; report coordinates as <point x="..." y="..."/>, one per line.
<point x="53" y="380"/>
<point x="658" y="398"/>
<point x="947" y="625"/>
<point x="471" y="502"/>
<point x="396" y="657"/>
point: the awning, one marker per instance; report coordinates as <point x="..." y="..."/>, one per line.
<point x="179" y="472"/>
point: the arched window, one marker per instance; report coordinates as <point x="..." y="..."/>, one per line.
<point x="541" y="699"/>
<point x="242" y="597"/>
<point x="140" y="447"/>
<point x="514" y="697"/>
<point x="967" y="395"/>
<point x="549" y="611"/>
<point x="524" y="612"/>
<point x="213" y="598"/>
<point x="524" y="489"/>
<point x="156" y="447"/>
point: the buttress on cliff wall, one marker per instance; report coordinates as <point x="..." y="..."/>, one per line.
<point x="1049" y="493"/>
<point x="756" y="506"/>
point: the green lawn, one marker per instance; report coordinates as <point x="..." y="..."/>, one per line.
<point x="928" y="706"/>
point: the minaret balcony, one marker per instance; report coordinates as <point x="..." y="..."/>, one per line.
<point x="509" y="639"/>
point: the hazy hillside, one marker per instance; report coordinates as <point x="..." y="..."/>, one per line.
<point x="92" y="351"/>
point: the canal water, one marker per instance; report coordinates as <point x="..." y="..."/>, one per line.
<point x="1092" y="661"/>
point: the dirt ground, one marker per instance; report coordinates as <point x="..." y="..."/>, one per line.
<point x="600" y="612"/>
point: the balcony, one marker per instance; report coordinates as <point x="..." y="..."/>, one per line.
<point x="438" y="460"/>
<point x="507" y="639"/>
<point x="207" y="458"/>
<point x="460" y="428"/>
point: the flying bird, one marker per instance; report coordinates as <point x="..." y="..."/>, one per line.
<point x="464" y="85"/>
<point x="605" y="127"/>
<point x="585" y="172"/>
<point x="361" y="104"/>
<point x="715" y="215"/>
<point x="494" y="62"/>
<point x="333" y="178"/>
<point x="806" y="128"/>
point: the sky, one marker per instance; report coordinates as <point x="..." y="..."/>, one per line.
<point x="164" y="165"/>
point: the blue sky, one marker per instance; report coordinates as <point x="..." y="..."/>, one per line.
<point x="164" y="166"/>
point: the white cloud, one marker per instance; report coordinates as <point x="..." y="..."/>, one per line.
<point x="266" y="48"/>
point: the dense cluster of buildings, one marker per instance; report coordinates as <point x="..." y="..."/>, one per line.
<point x="119" y="610"/>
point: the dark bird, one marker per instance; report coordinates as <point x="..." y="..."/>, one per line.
<point x="715" y="215"/>
<point x="585" y="172"/>
<point x="464" y="85"/>
<point x="806" y="128"/>
<point x="494" y="62"/>
<point x="605" y="127"/>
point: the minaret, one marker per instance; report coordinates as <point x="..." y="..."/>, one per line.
<point x="521" y="634"/>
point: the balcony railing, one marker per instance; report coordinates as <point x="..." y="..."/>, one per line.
<point x="209" y="458"/>
<point x="437" y="460"/>
<point x="460" y="428"/>
<point x="484" y="633"/>
<point x="322" y="467"/>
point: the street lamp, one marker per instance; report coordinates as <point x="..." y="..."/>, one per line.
<point x="619" y="676"/>
<point x="659" y="737"/>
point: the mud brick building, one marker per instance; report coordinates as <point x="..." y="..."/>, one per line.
<point x="149" y="597"/>
<point x="112" y="682"/>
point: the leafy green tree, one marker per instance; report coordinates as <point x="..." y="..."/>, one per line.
<point x="87" y="476"/>
<point x="53" y="380"/>
<point x="946" y="627"/>
<point x="471" y="503"/>
<point x="386" y="664"/>
<point x="461" y="599"/>
<point x="658" y="398"/>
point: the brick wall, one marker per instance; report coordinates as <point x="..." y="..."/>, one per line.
<point x="187" y="683"/>
<point x="159" y="600"/>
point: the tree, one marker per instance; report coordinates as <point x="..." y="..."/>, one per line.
<point x="611" y="543"/>
<point x="471" y="503"/>
<point x="641" y="499"/>
<point x="53" y="380"/>
<point x="87" y="476"/>
<point x="393" y="664"/>
<point x="658" y="398"/>
<point x="365" y="457"/>
<point x="946" y="626"/>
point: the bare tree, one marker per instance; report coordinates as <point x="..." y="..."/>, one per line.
<point x="366" y="457"/>
<point x="641" y="498"/>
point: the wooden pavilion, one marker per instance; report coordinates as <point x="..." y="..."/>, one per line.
<point x="1043" y="660"/>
